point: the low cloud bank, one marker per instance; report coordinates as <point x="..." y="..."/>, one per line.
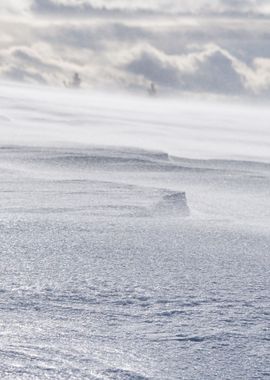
<point x="128" y="46"/>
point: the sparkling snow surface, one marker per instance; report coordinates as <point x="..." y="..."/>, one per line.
<point x="94" y="284"/>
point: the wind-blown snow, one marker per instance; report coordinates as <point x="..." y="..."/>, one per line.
<point x="98" y="281"/>
<point x="183" y="128"/>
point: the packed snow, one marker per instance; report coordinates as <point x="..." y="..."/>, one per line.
<point x="134" y="236"/>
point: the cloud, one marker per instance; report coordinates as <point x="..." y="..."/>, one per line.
<point x="24" y="75"/>
<point x="216" y="73"/>
<point x="93" y="37"/>
<point x="209" y="70"/>
<point x="24" y="63"/>
<point x="188" y="45"/>
<point x="135" y="8"/>
<point x="65" y="9"/>
<point x="15" y="7"/>
<point x="259" y="78"/>
<point x="86" y="9"/>
<point x="155" y="68"/>
<point x="169" y="7"/>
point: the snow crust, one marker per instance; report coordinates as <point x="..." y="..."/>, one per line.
<point x="134" y="237"/>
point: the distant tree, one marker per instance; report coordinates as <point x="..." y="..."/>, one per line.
<point x="76" y="81"/>
<point x="152" y="90"/>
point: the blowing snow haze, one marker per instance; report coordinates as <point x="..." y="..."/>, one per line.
<point x="134" y="230"/>
<point x="197" y="46"/>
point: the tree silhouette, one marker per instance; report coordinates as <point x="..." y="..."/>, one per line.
<point x="76" y="81"/>
<point x="152" y="91"/>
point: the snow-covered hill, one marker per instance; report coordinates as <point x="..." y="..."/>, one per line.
<point x="134" y="237"/>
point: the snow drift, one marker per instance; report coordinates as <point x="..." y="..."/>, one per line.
<point x="133" y="232"/>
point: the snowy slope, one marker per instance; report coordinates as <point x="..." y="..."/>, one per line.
<point x="98" y="281"/>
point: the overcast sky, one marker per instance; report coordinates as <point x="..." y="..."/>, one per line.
<point x="212" y="46"/>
